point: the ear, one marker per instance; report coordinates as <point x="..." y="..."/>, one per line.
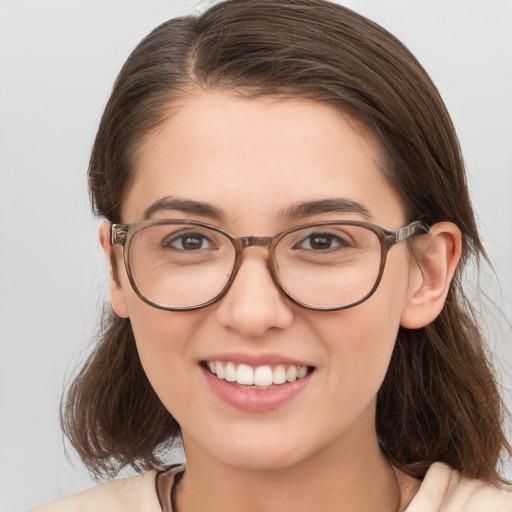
<point x="436" y="256"/>
<point x="117" y="298"/>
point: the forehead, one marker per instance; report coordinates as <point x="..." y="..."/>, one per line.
<point x="256" y="157"/>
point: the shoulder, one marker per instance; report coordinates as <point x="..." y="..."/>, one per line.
<point x="135" y="494"/>
<point x="445" y="489"/>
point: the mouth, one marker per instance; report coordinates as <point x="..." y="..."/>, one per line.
<point x="256" y="377"/>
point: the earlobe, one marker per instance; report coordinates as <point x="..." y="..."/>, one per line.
<point x="117" y="298"/>
<point x="436" y="258"/>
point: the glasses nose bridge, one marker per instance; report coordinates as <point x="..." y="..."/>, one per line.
<point x="256" y="241"/>
<point x="243" y="242"/>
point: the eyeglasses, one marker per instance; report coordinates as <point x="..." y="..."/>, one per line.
<point x="179" y="265"/>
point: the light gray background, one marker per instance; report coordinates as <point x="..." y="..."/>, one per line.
<point x="58" y="60"/>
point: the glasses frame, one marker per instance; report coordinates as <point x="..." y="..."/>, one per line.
<point x="122" y="235"/>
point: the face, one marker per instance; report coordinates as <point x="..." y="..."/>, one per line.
<point x="252" y="160"/>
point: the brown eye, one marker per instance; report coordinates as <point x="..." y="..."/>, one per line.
<point x="322" y="242"/>
<point x="188" y="242"/>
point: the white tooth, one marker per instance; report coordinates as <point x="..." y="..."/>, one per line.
<point x="291" y="374"/>
<point x="245" y="375"/>
<point x="303" y="371"/>
<point x="279" y="375"/>
<point x="211" y="366"/>
<point x="263" y="376"/>
<point x="230" y="372"/>
<point x="219" y="369"/>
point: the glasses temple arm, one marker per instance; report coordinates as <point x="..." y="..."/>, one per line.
<point x="118" y="234"/>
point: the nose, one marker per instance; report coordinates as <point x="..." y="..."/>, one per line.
<point x="254" y="304"/>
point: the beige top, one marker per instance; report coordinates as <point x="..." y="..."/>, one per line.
<point x="442" y="490"/>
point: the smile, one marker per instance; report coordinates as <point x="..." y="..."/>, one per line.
<point x="257" y="377"/>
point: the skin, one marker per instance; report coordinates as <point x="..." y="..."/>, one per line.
<point x="252" y="159"/>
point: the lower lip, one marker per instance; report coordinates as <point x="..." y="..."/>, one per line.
<point x="255" y="400"/>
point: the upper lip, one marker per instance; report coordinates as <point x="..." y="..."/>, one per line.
<point x="260" y="359"/>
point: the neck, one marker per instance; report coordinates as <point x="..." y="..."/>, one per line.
<point x="340" y="477"/>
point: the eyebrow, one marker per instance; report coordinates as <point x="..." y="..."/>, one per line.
<point x="333" y="205"/>
<point x="187" y="206"/>
<point x="293" y="213"/>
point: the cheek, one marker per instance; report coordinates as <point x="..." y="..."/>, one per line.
<point x="360" y="340"/>
<point x="164" y="347"/>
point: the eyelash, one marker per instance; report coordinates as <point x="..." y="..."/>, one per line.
<point x="340" y="242"/>
<point x="169" y="242"/>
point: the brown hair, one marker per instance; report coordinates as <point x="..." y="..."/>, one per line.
<point x="439" y="400"/>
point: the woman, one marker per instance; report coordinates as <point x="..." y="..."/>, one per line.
<point x="287" y="220"/>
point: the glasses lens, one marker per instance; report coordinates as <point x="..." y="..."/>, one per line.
<point x="180" y="265"/>
<point x="328" y="265"/>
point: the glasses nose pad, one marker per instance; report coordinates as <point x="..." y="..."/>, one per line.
<point x="236" y="268"/>
<point x="263" y="243"/>
<point x="273" y="268"/>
